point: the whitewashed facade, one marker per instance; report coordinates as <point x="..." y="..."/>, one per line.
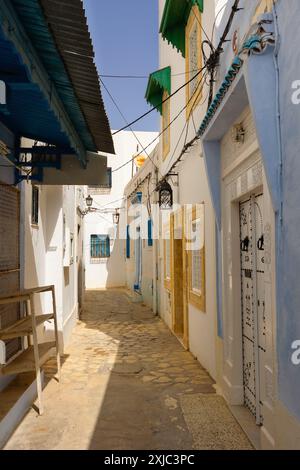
<point x="107" y="269"/>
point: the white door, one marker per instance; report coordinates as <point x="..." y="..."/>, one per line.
<point x="252" y="301"/>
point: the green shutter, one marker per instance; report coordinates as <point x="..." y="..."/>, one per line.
<point x="159" y="82"/>
<point x="174" y="20"/>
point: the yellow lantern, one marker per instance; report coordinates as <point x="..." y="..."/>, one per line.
<point x="140" y="160"/>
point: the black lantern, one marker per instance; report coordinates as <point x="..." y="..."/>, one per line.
<point x="89" y="201"/>
<point x="116" y="217"/>
<point x="165" y="195"/>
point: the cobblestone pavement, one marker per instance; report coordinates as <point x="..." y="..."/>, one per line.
<point x="123" y="378"/>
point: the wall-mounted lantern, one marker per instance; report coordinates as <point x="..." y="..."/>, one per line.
<point x="116" y="217"/>
<point x="89" y="201"/>
<point x="238" y="133"/>
<point x="165" y="195"/>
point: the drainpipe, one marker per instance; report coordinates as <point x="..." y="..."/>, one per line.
<point x="279" y="222"/>
<point x="276" y="53"/>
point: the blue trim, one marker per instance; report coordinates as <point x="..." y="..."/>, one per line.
<point x="150" y="240"/>
<point x="100" y="246"/>
<point x="251" y="44"/>
<point x="137" y="198"/>
<point x="37" y="110"/>
<point x="127" y="242"/>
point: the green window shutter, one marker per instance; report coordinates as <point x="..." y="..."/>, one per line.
<point x="174" y="20"/>
<point x="158" y="82"/>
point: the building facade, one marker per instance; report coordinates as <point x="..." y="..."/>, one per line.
<point x="49" y="139"/>
<point x="226" y="171"/>
<point x="249" y="157"/>
<point x="104" y="236"/>
<point x="176" y="280"/>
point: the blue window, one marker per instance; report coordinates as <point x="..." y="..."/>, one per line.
<point x="127" y="243"/>
<point x="35" y="202"/>
<point x="150" y="239"/>
<point x="100" y="247"/>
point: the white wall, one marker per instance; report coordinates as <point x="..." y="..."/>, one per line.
<point x="44" y="250"/>
<point x="192" y="188"/>
<point x="143" y="182"/>
<point x="112" y="272"/>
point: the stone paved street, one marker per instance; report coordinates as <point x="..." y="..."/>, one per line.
<point x="124" y="380"/>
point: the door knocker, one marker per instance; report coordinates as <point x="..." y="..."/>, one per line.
<point x="245" y="244"/>
<point x="261" y="243"/>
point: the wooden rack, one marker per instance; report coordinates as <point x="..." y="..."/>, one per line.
<point x="35" y="355"/>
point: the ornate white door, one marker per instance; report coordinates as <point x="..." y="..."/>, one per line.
<point x="252" y="300"/>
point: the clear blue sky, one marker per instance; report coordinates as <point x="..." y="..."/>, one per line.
<point x="125" y="38"/>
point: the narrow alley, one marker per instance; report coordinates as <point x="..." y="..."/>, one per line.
<point x="127" y="383"/>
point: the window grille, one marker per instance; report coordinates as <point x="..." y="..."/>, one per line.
<point x="35" y="205"/>
<point x="100" y="247"/>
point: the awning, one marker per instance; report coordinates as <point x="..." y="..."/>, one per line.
<point x="159" y="82"/>
<point x="52" y="85"/>
<point x="174" y="21"/>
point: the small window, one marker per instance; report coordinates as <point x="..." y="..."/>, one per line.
<point x="196" y="264"/>
<point x="100" y="247"/>
<point x="193" y="59"/>
<point x="166" y="125"/>
<point x="167" y="260"/>
<point x="195" y="245"/>
<point x="35" y="205"/>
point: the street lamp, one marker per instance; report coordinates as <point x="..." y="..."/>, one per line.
<point x="89" y="201"/>
<point x="116" y="217"/>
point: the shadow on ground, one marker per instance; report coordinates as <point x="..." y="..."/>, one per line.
<point x="124" y="387"/>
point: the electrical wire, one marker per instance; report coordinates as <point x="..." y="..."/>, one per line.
<point x="134" y="134"/>
<point x="214" y="59"/>
<point x="154" y="108"/>
<point x="159" y="135"/>
<point x="109" y="203"/>
<point x="215" y="22"/>
<point x="144" y="76"/>
<point x="198" y="91"/>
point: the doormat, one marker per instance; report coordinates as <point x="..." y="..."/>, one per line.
<point x="211" y="423"/>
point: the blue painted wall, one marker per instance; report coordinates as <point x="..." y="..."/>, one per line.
<point x="288" y="228"/>
<point x="288" y="326"/>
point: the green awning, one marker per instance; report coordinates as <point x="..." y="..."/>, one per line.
<point x="159" y="82"/>
<point x="174" y="21"/>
